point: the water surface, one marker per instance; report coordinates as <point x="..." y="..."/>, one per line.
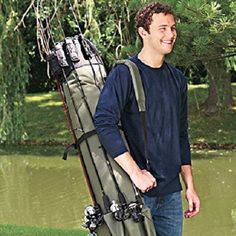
<point x="38" y="188"/>
<point x="215" y="177"/>
<point x="41" y="189"/>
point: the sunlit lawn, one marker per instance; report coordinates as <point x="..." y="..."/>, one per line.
<point x="46" y="121"/>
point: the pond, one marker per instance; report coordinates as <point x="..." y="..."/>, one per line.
<point x="38" y="188"/>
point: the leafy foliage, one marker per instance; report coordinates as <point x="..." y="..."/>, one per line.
<point x="206" y="29"/>
<point x="206" y="36"/>
<point x="13" y="74"/>
<point x="206" y="43"/>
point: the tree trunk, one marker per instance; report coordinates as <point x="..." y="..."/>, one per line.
<point x="211" y="104"/>
<point x="228" y="94"/>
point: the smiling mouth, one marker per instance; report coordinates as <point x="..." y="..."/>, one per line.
<point x="168" y="41"/>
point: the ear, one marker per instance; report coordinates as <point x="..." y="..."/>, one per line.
<point x="142" y="32"/>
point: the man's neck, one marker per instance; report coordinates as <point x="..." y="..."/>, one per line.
<point x="151" y="60"/>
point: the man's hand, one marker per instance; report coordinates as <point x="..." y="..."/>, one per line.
<point x="191" y="195"/>
<point x="193" y="204"/>
<point x="142" y="179"/>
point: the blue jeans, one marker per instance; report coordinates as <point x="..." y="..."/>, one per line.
<point x="167" y="214"/>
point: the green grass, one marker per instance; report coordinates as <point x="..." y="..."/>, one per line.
<point x="14" y="230"/>
<point x="47" y="122"/>
<point x="217" y="129"/>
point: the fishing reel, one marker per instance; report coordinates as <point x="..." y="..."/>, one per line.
<point x="135" y="211"/>
<point x="92" y="218"/>
<point x="117" y="210"/>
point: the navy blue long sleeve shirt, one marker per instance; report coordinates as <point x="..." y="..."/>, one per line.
<point x="166" y="121"/>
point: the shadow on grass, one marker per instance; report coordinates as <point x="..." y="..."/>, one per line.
<point x="34" y="150"/>
<point x="218" y="129"/>
<point x="197" y="95"/>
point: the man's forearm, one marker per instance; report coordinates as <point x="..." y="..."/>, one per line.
<point x="191" y="195"/>
<point x="126" y="161"/>
<point x="187" y="176"/>
<point x="141" y="178"/>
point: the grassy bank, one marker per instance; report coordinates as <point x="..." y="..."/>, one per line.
<point x="47" y="122"/>
<point x="13" y="230"/>
<point x="212" y="131"/>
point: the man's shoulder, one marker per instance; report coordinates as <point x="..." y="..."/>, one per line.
<point x="119" y="69"/>
<point x="119" y="74"/>
<point x="175" y="70"/>
<point x="177" y="74"/>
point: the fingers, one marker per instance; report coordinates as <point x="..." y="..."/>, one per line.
<point x="153" y="179"/>
<point x="190" y="214"/>
<point x="196" y="208"/>
<point x="144" y="180"/>
<point x="193" y="207"/>
<point x="190" y="205"/>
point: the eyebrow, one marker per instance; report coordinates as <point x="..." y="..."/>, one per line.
<point x="174" y="25"/>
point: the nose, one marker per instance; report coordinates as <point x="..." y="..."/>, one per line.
<point x="171" y="32"/>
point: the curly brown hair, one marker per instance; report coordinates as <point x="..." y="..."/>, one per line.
<point x="144" y="16"/>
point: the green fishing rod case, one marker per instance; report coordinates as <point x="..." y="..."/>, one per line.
<point x="118" y="208"/>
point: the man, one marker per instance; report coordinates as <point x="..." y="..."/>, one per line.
<point x="168" y="151"/>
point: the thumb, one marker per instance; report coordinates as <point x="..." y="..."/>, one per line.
<point x="190" y="205"/>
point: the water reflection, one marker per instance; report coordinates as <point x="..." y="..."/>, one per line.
<point x="43" y="190"/>
<point x="215" y="177"/>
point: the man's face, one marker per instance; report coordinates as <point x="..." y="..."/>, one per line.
<point x="162" y="34"/>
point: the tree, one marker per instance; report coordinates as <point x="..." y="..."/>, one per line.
<point x="206" y="36"/>
<point x="207" y="33"/>
<point x="13" y="74"/>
